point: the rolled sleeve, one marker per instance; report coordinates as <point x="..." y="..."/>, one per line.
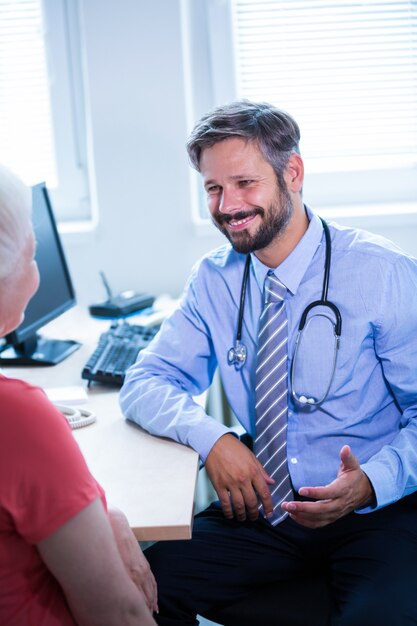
<point x="178" y="365"/>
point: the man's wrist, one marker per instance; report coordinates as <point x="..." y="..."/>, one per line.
<point x="369" y="497"/>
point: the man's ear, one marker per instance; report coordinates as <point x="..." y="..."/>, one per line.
<point x="294" y="173"/>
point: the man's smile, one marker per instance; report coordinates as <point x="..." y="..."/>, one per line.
<point x="239" y="220"/>
<point x="239" y="224"/>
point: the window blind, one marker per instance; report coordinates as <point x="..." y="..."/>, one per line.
<point x="346" y="70"/>
<point x="26" y="135"/>
<point x="42" y="108"/>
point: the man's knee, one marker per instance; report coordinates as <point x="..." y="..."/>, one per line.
<point x="383" y="607"/>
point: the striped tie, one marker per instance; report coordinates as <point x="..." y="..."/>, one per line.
<point x="271" y="394"/>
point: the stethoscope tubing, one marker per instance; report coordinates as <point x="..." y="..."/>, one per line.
<point x="242" y="299"/>
<point x="237" y="354"/>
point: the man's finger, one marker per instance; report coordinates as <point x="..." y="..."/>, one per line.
<point x="328" y="492"/>
<point x="251" y="502"/>
<point x="312" y="514"/>
<point x="226" y="505"/>
<point x="238" y="505"/>
<point x="264" y="495"/>
<point x="265" y="475"/>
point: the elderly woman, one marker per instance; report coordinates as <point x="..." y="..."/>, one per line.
<point x="64" y="559"/>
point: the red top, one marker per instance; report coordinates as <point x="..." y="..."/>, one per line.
<point x="44" y="481"/>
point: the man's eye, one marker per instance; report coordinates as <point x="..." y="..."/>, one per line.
<point x="245" y="182"/>
<point x="213" y="189"/>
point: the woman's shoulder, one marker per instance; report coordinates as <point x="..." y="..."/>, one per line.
<point x="23" y="406"/>
<point x="15" y="393"/>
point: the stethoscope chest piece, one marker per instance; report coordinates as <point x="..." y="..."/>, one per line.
<point x="237" y="355"/>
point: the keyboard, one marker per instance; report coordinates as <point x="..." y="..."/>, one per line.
<point x="116" y="351"/>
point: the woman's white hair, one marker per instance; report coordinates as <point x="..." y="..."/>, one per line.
<point x="15" y="219"/>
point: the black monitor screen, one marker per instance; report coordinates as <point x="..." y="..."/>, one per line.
<point x="54" y="296"/>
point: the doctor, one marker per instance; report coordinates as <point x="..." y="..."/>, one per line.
<point x="340" y="500"/>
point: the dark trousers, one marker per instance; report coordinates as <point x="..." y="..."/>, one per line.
<point x="368" y="562"/>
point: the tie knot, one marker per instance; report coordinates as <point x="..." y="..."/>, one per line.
<point x="274" y="290"/>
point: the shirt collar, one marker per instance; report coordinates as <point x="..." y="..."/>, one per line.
<point x="291" y="271"/>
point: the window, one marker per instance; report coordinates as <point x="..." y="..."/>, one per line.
<point x="347" y="72"/>
<point x="42" y="136"/>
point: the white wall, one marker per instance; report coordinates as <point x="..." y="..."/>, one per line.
<point x="145" y="238"/>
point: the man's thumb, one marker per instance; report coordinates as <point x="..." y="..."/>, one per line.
<point x="348" y="459"/>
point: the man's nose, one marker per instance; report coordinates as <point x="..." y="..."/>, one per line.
<point x="230" y="201"/>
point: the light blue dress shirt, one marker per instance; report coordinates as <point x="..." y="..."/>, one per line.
<point x="372" y="404"/>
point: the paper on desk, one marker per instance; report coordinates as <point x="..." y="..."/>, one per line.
<point x="67" y="395"/>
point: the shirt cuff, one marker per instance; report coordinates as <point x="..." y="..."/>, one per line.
<point x="380" y="478"/>
<point x="204" y="439"/>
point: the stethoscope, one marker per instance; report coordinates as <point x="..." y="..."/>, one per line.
<point x="238" y="353"/>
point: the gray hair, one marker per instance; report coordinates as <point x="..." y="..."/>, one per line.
<point x="15" y="219"/>
<point x="275" y="132"/>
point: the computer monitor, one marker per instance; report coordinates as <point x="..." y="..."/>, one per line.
<point x="25" y="346"/>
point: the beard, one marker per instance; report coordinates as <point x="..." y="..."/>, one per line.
<point x="275" y="220"/>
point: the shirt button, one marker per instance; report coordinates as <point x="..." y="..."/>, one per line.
<point x="294" y="460"/>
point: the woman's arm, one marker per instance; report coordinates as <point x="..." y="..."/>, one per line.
<point x="133" y="558"/>
<point x="83" y="556"/>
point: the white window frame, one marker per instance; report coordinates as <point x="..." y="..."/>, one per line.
<point x="63" y="42"/>
<point x="209" y="48"/>
<point x="54" y="148"/>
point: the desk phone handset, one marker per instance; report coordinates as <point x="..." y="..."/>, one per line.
<point x="121" y="304"/>
<point x="76" y="418"/>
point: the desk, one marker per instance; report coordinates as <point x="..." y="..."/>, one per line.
<point x="151" y="479"/>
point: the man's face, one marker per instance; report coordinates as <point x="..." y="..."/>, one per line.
<point x="244" y="199"/>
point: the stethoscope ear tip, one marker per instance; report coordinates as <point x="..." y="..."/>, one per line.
<point x="305" y="400"/>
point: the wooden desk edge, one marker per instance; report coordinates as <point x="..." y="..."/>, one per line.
<point x="169" y="532"/>
<point x="163" y="533"/>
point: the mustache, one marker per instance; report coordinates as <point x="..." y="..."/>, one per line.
<point x="225" y="218"/>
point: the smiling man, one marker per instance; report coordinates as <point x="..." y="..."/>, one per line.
<point x="327" y="483"/>
<point x="246" y="202"/>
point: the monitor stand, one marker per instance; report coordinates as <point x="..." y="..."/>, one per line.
<point x="38" y="351"/>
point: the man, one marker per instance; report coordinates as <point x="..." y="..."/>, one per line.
<point x="328" y="484"/>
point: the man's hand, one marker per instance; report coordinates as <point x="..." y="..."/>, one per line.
<point x="350" y="490"/>
<point x="239" y="479"/>
<point x="133" y="558"/>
